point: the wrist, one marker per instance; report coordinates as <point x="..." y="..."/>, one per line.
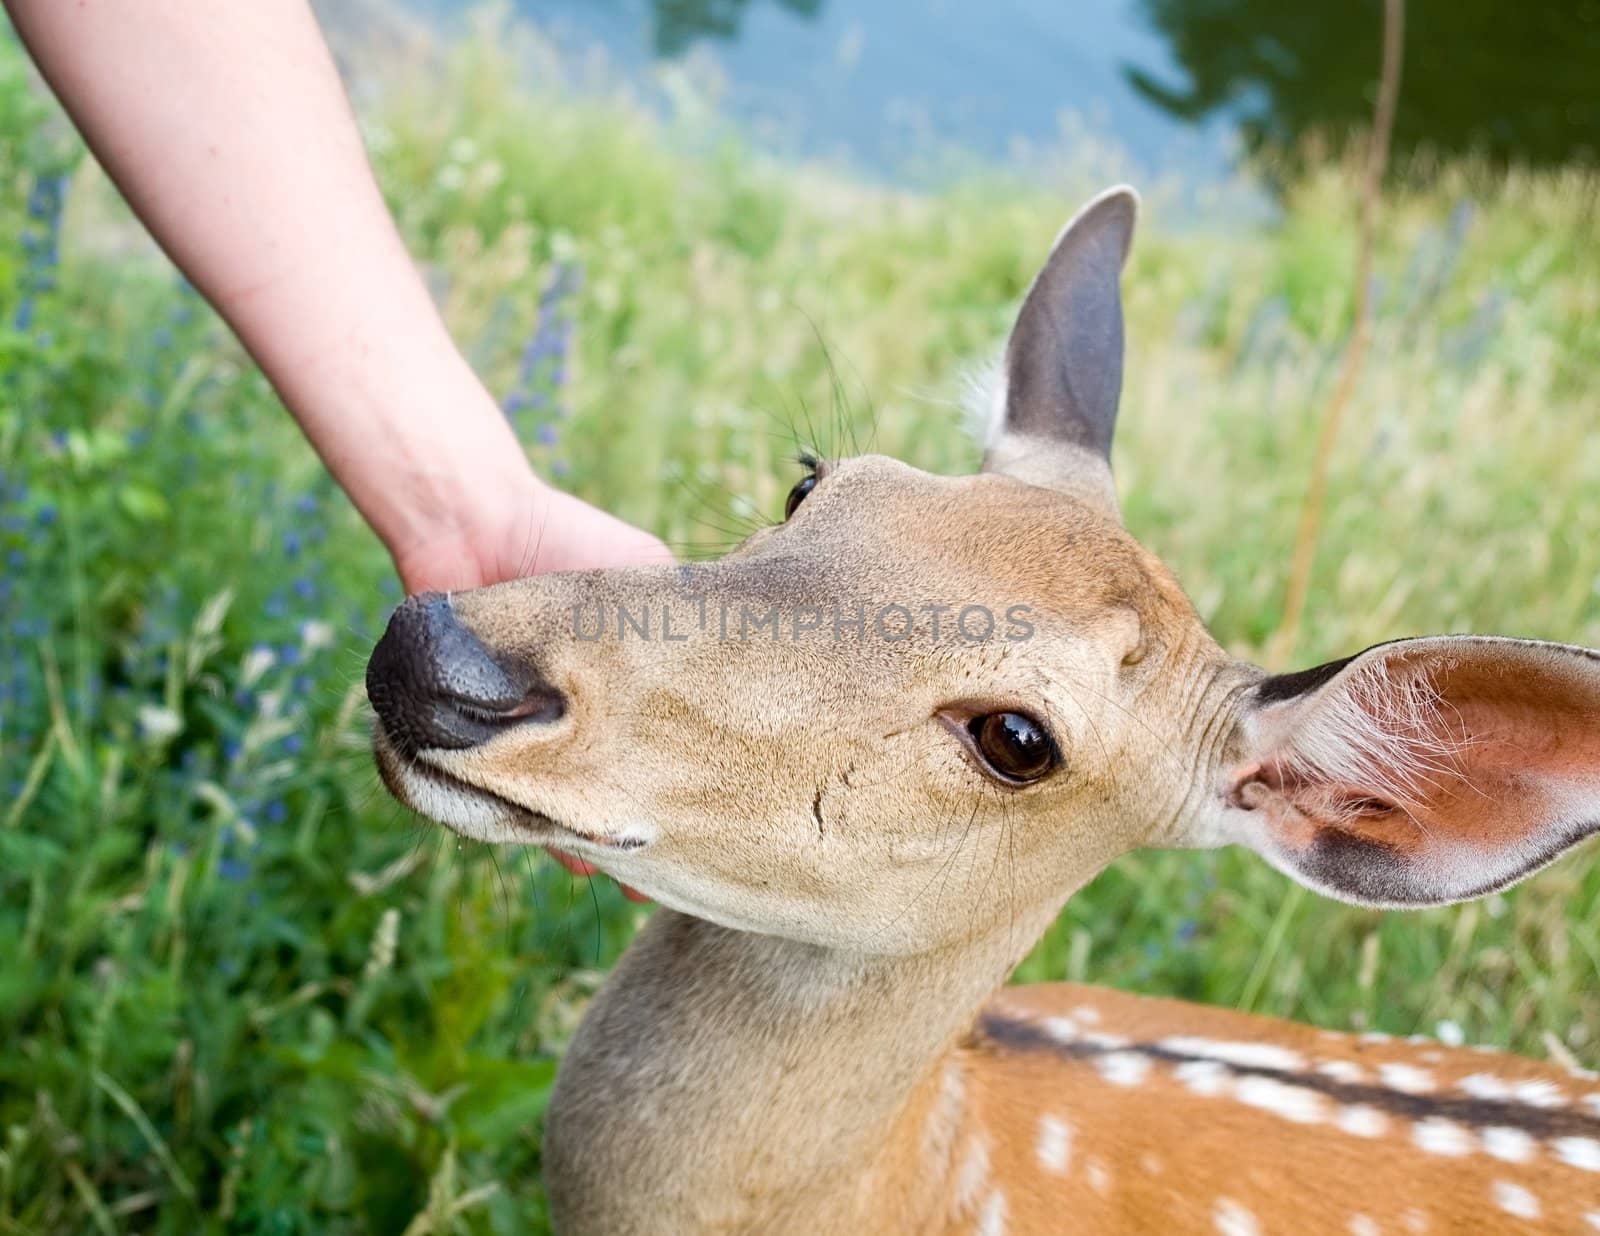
<point x="451" y="525"/>
<point x="419" y="444"/>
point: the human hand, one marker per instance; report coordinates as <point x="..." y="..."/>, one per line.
<point x="526" y="529"/>
<point x="519" y="529"/>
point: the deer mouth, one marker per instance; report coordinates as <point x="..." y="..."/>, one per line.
<point x="477" y="813"/>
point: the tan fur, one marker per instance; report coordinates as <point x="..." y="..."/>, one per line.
<point x="806" y="1037"/>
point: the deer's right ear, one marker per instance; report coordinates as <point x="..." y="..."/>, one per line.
<point x="1053" y="418"/>
<point x="1422" y="771"/>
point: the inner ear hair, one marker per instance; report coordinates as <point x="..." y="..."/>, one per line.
<point x="1422" y="771"/>
<point x="1385" y="740"/>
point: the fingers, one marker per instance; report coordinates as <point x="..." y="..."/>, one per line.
<point x="575" y="865"/>
<point x="578" y="867"/>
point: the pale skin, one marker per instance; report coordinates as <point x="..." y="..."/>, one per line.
<point x="226" y="127"/>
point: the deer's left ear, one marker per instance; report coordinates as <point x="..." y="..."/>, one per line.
<point x="1053" y="418"/>
<point x="1420" y="772"/>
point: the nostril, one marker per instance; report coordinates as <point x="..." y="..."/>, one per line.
<point x="434" y="684"/>
<point x="541" y="703"/>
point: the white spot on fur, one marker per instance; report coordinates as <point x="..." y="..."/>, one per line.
<point x="1248" y="1055"/>
<point x="1450" y="1033"/>
<point x="1580" y="1152"/>
<point x="1593" y="1101"/>
<point x="1233" y="1219"/>
<point x="992" y="1221"/>
<point x="1123" y="1068"/>
<point x="1406" y="1078"/>
<point x="1361" y="1121"/>
<point x="1416" y="1221"/>
<point x="1593" y="1219"/>
<point x="1151" y="1162"/>
<point x="1538" y="1094"/>
<point x="1442" y="1137"/>
<point x="1343" y="1071"/>
<point x="1508" y="1145"/>
<point x="1061" y="1029"/>
<point x="1054" y="1147"/>
<point x="1514" y="1199"/>
<point x="1291" y="1102"/>
<point x="1485" y="1086"/>
<point x="1360" y="1225"/>
<point x="1376" y="1036"/>
<point x="1087" y="1014"/>
<point x="1099" y="1178"/>
<point x="1207" y="1078"/>
<point x="1107" y="1042"/>
<point x="973" y="1174"/>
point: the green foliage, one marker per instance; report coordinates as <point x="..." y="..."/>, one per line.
<point x="239" y="990"/>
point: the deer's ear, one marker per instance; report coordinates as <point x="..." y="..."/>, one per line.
<point x="1053" y="418"/>
<point x="1423" y="771"/>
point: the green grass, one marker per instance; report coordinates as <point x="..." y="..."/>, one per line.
<point x="241" y="990"/>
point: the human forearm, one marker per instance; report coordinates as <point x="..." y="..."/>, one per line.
<point x="226" y="127"/>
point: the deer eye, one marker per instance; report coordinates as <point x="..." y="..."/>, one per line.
<point x="797" y="495"/>
<point x="1016" y="748"/>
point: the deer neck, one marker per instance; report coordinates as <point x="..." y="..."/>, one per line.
<point x="724" y="1081"/>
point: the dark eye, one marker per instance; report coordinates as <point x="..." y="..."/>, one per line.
<point x="797" y="495"/>
<point x="1015" y="746"/>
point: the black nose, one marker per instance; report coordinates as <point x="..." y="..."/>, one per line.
<point x="433" y="684"/>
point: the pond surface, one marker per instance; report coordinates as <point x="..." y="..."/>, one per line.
<point x="891" y="86"/>
<point x="888" y="84"/>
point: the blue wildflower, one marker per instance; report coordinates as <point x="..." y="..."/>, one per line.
<point x="44" y="201"/>
<point x="276" y="812"/>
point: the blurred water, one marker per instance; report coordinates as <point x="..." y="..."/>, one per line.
<point x="1145" y="87"/>
<point x="884" y="84"/>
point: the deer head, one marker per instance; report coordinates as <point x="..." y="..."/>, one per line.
<point x="924" y="706"/>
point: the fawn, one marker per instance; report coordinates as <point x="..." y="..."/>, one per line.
<point x="859" y="808"/>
